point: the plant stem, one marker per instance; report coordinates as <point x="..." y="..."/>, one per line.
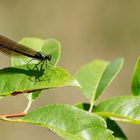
<point x="13" y="115"/>
<point x="91" y="107"/>
<point x="28" y="106"/>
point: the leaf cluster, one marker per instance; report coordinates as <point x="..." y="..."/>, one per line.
<point x="83" y="121"/>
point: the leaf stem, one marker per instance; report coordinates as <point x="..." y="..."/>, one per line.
<point x="28" y="106"/>
<point x="6" y="116"/>
<point x="91" y="107"/>
<point x="12" y="115"/>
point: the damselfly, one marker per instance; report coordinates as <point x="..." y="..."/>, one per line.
<point x="9" y="47"/>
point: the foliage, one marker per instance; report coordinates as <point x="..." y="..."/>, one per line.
<point x="83" y="121"/>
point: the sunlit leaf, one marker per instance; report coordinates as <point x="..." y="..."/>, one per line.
<point x="95" y="76"/>
<point x="24" y="79"/>
<point x="126" y="109"/>
<point x="135" y="87"/>
<point x="70" y="123"/>
<point x="112" y="125"/>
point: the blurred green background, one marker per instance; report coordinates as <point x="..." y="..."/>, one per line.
<point x="87" y="29"/>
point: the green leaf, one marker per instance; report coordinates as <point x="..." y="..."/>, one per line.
<point x="108" y="76"/>
<point x="126" y="109"/>
<point x="52" y="46"/>
<point x="135" y="87"/>
<point x="112" y="125"/>
<point x="25" y="79"/>
<point x="84" y="106"/>
<point x="32" y="96"/>
<point x="69" y="122"/>
<point x="89" y="76"/>
<point x="95" y="76"/>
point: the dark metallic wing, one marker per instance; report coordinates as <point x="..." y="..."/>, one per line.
<point x="8" y="46"/>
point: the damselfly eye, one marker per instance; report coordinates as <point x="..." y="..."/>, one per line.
<point x="49" y="57"/>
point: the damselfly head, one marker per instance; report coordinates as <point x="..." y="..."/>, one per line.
<point x="48" y="57"/>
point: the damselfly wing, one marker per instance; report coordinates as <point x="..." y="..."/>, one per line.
<point x="8" y="46"/>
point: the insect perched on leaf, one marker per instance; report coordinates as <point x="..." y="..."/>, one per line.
<point x="10" y="47"/>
